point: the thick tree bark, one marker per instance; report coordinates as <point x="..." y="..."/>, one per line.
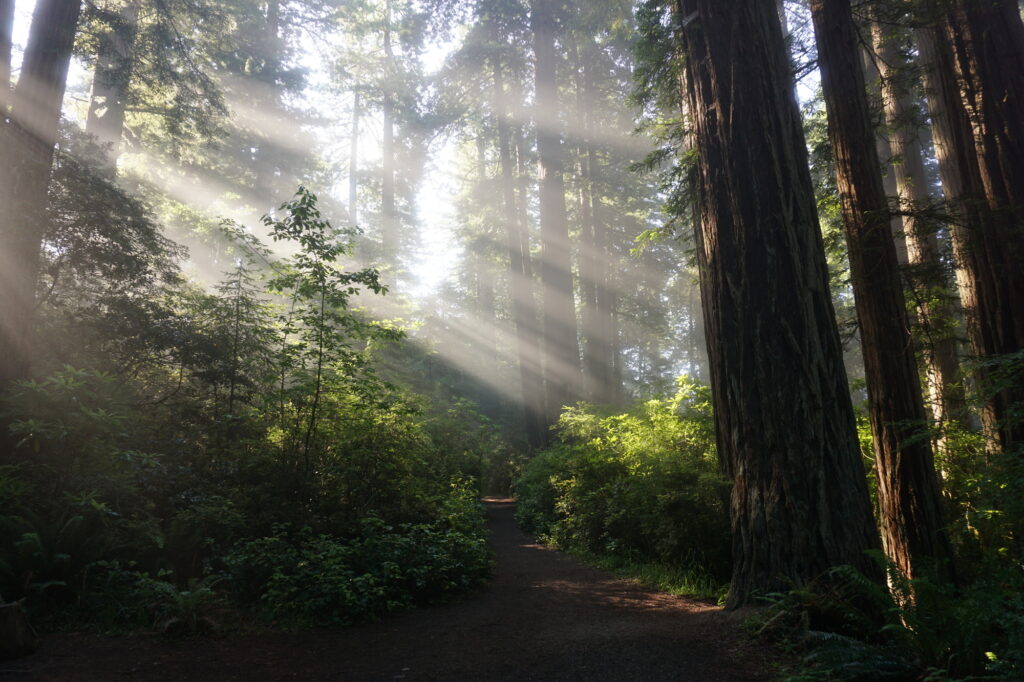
<point x="561" y="350"/>
<point x="111" y="78"/>
<point x="784" y="420"/>
<point x="524" y="314"/>
<point x="934" y="301"/>
<point x="910" y="509"/>
<point x="27" y="149"/>
<point x="6" y="46"/>
<point x="985" y="68"/>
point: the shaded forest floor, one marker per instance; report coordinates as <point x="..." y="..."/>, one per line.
<point x="545" y="616"/>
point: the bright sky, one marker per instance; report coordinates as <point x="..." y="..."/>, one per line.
<point x="439" y="252"/>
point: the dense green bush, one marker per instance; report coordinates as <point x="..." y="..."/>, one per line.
<point x="309" y="579"/>
<point x="238" y="442"/>
<point x="642" y="485"/>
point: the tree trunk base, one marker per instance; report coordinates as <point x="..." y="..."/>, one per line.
<point x="17" y="637"/>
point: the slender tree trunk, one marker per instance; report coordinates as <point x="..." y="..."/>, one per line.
<point x="588" y="258"/>
<point x="784" y="420"/>
<point x="873" y="78"/>
<point x="935" y="302"/>
<point x="6" y="46"/>
<point x="908" y="493"/>
<point x="524" y="317"/>
<point x="353" y="162"/>
<point x="484" y="271"/>
<point x="618" y="372"/>
<point x="961" y="185"/>
<point x="985" y="68"/>
<point x="389" y="212"/>
<point x="307" y="447"/>
<point x="607" y="353"/>
<point x="111" y="78"/>
<point x="236" y="334"/>
<point x="561" y="348"/>
<point x="27" y="148"/>
<point x="600" y="344"/>
<point x="268" y="94"/>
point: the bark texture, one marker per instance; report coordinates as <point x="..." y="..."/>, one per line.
<point x="27" y="148"/>
<point x="984" y="66"/>
<point x="784" y="420"/>
<point x="910" y="510"/>
<point x="934" y="301"/>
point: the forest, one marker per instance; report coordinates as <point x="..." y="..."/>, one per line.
<point x="318" y="316"/>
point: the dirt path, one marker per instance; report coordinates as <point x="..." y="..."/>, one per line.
<point x="546" y="616"/>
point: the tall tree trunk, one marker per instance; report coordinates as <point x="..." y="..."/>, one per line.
<point x="607" y="352"/>
<point x="389" y="212"/>
<point x="267" y="153"/>
<point x="985" y="68"/>
<point x="485" y="312"/>
<point x="618" y="371"/>
<point x="111" y="78"/>
<point x="27" y="148"/>
<point x="601" y="342"/>
<point x="353" y="162"/>
<point x="6" y="46"/>
<point x="873" y="78"/>
<point x="784" y="420"/>
<point x="588" y="258"/>
<point x="908" y="493"/>
<point x="935" y="302"/>
<point x="561" y="349"/>
<point x="961" y="186"/>
<point x="524" y="316"/>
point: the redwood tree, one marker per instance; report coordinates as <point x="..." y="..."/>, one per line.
<point x="977" y="52"/>
<point x="910" y="512"/>
<point x="935" y="302"/>
<point x="27" y="148"/>
<point x="561" y="348"/>
<point x="524" y="314"/>
<point x="784" y="419"/>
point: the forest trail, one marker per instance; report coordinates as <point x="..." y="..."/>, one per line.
<point x="545" y="616"/>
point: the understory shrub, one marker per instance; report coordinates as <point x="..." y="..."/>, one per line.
<point x="95" y="532"/>
<point x="642" y="485"/>
<point x="236" y="440"/>
<point x="929" y="629"/>
<point x="304" y="578"/>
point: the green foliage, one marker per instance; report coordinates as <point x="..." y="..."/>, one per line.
<point x="642" y="485"/>
<point x="925" y="628"/>
<point x="313" y="579"/>
<point x="230" y="416"/>
<point x="847" y="627"/>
